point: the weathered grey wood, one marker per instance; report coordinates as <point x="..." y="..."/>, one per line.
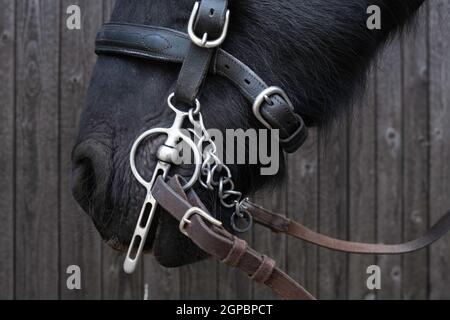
<point x="415" y="157"/>
<point x="362" y="190"/>
<point x="267" y="242"/>
<point x="389" y="167"/>
<point x="80" y="242"/>
<point x="160" y="283"/>
<point x="302" y="205"/>
<point x="199" y="280"/>
<point x="439" y="30"/>
<point x="333" y="211"/>
<point x="37" y="218"/>
<point x="7" y="155"/>
<point x="116" y="284"/>
<point x="108" y="6"/>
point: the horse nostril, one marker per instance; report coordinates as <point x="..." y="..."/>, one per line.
<point x="90" y="174"/>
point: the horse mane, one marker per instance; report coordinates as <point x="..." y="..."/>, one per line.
<point x="318" y="51"/>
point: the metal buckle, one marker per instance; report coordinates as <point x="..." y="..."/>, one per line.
<point x="204" y="43"/>
<point x="200" y="212"/>
<point x="265" y="96"/>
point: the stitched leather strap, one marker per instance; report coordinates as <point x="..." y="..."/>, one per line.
<point x="220" y="243"/>
<point x="157" y="43"/>
<point x="281" y="224"/>
<point x="210" y="20"/>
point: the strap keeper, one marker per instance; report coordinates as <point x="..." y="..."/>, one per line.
<point x="236" y="253"/>
<point x="297" y="139"/>
<point x="264" y="271"/>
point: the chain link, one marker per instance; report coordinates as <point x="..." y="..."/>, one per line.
<point x="215" y="175"/>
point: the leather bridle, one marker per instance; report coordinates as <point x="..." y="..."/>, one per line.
<point x="199" y="57"/>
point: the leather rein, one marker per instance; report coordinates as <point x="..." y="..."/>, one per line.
<point x="199" y="57"/>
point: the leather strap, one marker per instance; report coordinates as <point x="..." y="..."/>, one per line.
<point x="219" y="243"/>
<point x="157" y="43"/>
<point x="235" y="252"/>
<point x="210" y="20"/>
<point x="281" y="224"/>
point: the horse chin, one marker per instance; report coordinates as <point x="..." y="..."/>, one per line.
<point x="168" y="245"/>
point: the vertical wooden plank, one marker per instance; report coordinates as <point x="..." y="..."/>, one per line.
<point x="7" y="77"/>
<point x="80" y="243"/>
<point x="362" y="188"/>
<point x="389" y="166"/>
<point x="302" y="204"/>
<point x="267" y="242"/>
<point x="415" y="158"/>
<point x="199" y="280"/>
<point x="439" y="263"/>
<point x="333" y="211"/>
<point x="108" y="6"/>
<point x="160" y="283"/>
<point x="116" y="284"/>
<point x="37" y="220"/>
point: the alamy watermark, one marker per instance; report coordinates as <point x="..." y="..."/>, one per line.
<point x="236" y="146"/>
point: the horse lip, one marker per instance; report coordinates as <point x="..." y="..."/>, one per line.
<point x="115" y="244"/>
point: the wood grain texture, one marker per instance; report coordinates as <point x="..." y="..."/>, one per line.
<point x="439" y="30"/>
<point x="333" y="211"/>
<point x="389" y="166"/>
<point x="415" y="155"/>
<point x="160" y="283"/>
<point x="362" y="189"/>
<point x="265" y="241"/>
<point x="37" y="217"/>
<point x="302" y="205"/>
<point x="80" y="242"/>
<point x="7" y="153"/>
<point x="108" y="6"/>
<point x="116" y="284"/>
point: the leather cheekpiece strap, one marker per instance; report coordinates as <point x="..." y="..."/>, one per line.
<point x="219" y="243"/>
<point x="210" y="21"/>
<point x="158" y="43"/>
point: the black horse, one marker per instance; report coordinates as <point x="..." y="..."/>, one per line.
<point x="319" y="51"/>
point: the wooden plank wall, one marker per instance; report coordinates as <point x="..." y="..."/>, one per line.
<point x="382" y="175"/>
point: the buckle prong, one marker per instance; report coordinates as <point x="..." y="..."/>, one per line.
<point x="265" y="96"/>
<point x="203" y="42"/>
<point x="195" y="210"/>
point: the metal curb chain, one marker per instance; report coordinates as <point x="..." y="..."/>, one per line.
<point x="215" y="175"/>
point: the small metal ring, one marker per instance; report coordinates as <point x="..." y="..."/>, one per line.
<point x="197" y="108"/>
<point x="249" y="220"/>
<point x="151" y="132"/>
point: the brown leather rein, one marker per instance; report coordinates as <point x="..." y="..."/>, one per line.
<point x="210" y="236"/>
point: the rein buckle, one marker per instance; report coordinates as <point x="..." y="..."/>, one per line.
<point x="195" y="210"/>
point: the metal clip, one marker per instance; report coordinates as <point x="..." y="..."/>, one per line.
<point x="243" y="215"/>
